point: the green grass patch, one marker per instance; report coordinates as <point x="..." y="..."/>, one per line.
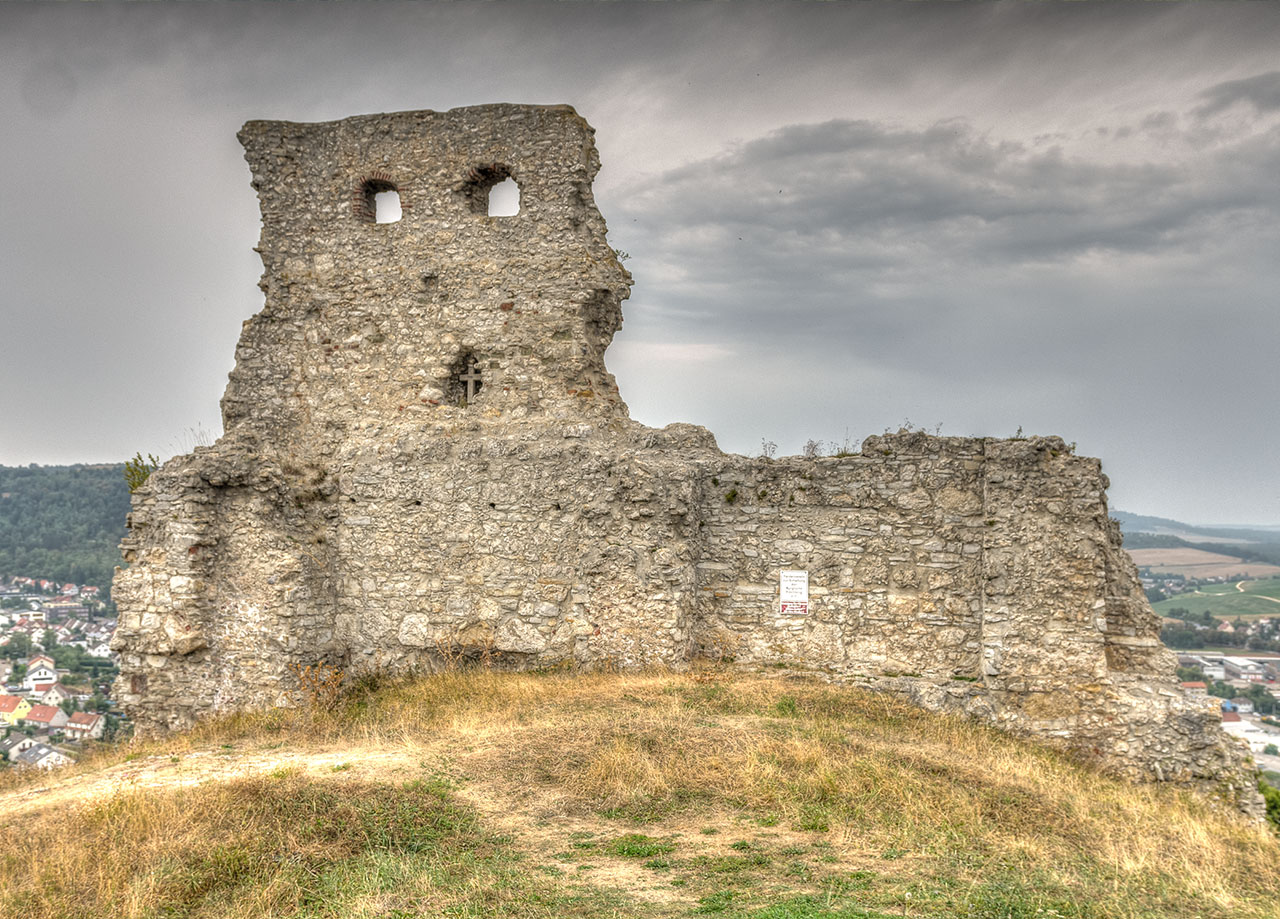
<point x="1227" y="601"/>
<point x="275" y="846"/>
<point x="638" y="845"/>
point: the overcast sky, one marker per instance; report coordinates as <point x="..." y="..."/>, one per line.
<point x="1059" y="218"/>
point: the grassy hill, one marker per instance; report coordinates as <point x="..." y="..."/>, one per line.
<point x="1251" y="544"/>
<point x="1242" y="599"/>
<point x="1133" y="524"/>
<point x="540" y="795"/>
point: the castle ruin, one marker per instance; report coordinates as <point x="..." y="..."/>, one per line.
<point x="425" y="456"/>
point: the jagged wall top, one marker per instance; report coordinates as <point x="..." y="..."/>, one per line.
<point x="360" y="512"/>
<point x="369" y="322"/>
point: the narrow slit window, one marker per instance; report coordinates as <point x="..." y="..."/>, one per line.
<point x="504" y="198"/>
<point x="465" y="380"/>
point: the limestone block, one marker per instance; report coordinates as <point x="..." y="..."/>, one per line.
<point x="516" y="635"/>
<point x="183" y="635"/>
<point x="416" y="631"/>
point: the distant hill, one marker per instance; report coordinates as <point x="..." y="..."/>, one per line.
<point x="1138" y="523"/>
<point x="63" y="523"/>
<point x="1251" y="544"/>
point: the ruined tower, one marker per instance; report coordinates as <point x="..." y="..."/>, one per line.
<point x="425" y="456"/>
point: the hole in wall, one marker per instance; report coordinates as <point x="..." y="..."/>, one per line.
<point x="378" y="200"/>
<point x="601" y="318"/>
<point x="386" y="207"/>
<point x="465" y="379"/>
<point x="480" y="185"/>
<point x="504" y="199"/>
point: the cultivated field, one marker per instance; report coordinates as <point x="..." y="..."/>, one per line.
<point x="532" y="796"/>
<point x="1245" y="599"/>
<point x="1197" y="563"/>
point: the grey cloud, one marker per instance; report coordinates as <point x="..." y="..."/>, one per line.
<point x="860" y="273"/>
<point x="850" y="186"/>
<point x="1261" y="91"/>
<point x="954" y="240"/>
<point x="48" y="88"/>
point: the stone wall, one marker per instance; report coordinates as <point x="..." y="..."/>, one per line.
<point x="364" y="509"/>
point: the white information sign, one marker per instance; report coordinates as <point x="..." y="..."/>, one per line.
<point x="793" y="588"/>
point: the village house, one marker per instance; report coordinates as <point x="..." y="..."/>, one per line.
<point x="13" y="709"/>
<point x="45" y="718"/>
<point x="42" y="673"/>
<point x="1195" y="689"/>
<point x="55" y="695"/>
<point x="11" y="746"/>
<point x="84" y="726"/>
<point x="42" y="756"/>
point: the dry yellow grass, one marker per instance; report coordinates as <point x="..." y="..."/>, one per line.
<point x="949" y="811"/>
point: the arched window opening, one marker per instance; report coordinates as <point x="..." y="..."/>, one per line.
<point x="504" y="199"/>
<point x="378" y="200"/>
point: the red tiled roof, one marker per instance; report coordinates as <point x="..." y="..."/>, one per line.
<point x="83" y="720"/>
<point x="41" y="713"/>
<point x="9" y="703"/>
<point x="1194" y="684"/>
<point x="1230" y="716"/>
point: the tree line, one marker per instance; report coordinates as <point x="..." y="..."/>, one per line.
<point x="63" y="523"/>
<point x="1266" y="550"/>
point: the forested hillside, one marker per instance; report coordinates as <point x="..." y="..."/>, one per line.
<point x="63" y="523"/>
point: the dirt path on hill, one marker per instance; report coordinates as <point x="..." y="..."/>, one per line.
<point x="1240" y="585"/>
<point x="552" y="827"/>
<point x="183" y="769"/>
<point x="542" y="824"/>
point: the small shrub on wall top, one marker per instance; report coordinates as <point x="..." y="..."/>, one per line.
<point x="138" y="470"/>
